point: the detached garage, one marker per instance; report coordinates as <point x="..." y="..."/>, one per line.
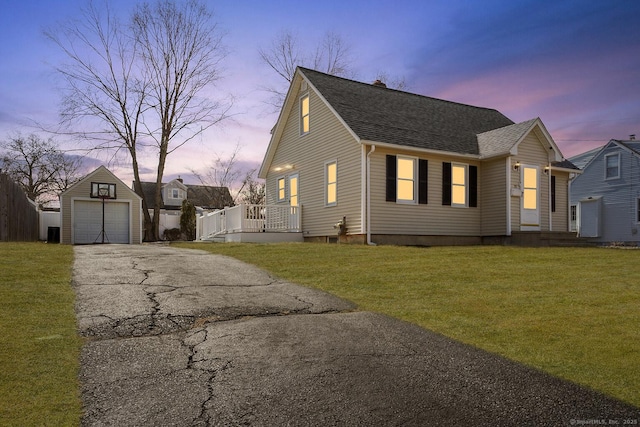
<point x="100" y="209"/>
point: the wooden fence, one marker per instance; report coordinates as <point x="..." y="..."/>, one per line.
<point x="18" y="214"/>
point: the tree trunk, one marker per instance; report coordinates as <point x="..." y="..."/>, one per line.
<point x="158" y="205"/>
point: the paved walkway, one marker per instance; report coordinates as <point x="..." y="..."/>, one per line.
<point x="185" y="338"/>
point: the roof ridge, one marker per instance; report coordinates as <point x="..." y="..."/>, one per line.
<point x="303" y="69"/>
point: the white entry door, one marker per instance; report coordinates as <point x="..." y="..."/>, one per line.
<point x="530" y="201"/>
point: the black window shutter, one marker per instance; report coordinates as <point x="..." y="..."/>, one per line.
<point x="446" y="183"/>
<point x="473" y="186"/>
<point x="391" y="178"/>
<point x="553" y="193"/>
<point x="423" y="171"/>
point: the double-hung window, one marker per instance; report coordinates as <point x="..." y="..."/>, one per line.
<point x="304" y="115"/>
<point x="459" y="185"/>
<point x="331" y="183"/>
<point x="612" y="166"/>
<point x="406" y="180"/>
<point x="282" y="189"/>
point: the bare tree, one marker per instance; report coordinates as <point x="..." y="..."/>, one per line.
<point x="253" y="192"/>
<point x="41" y="169"/>
<point x="332" y="55"/>
<point x="142" y="82"/>
<point x="226" y="172"/>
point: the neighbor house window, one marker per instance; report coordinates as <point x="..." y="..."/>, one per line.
<point x="331" y="179"/>
<point x="574" y="218"/>
<point x="638" y="210"/>
<point x="282" y="190"/>
<point x="176" y="193"/>
<point x="459" y="185"/>
<point x="406" y="179"/>
<point x="612" y="166"/>
<point x="304" y="115"/>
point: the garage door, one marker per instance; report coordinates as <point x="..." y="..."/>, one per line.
<point x="87" y="222"/>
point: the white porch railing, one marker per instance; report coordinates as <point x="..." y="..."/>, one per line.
<point x="249" y="219"/>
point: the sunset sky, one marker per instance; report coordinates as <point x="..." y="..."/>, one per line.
<point x="574" y="64"/>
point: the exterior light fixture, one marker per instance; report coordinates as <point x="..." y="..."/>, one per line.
<point x="516" y="166"/>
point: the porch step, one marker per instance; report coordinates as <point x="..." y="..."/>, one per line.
<point x="549" y="238"/>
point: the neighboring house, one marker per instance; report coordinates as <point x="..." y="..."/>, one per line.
<point x="203" y="197"/>
<point x="379" y="165"/>
<point x="605" y="198"/>
<point x="100" y="208"/>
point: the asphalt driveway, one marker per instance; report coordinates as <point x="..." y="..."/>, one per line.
<point x="184" y="338"/>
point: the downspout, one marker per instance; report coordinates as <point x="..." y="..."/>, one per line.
<point x="369" y="242"/>
<point x="548" y="168"/>
<point x="508" y="165"/>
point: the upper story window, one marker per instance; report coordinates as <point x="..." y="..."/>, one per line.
<point x="176" y="193"/>
<point x="612" y="166"/>
<point x="331" y="177"/>
<point x="304" y="115"/>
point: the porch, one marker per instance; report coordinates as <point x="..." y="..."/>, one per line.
<point x="251" y="223"/>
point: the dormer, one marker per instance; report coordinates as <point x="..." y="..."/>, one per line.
<point x="174" y="192"/>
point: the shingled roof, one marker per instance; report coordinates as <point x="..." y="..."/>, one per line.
<point x="203" y="196"/>
<point x="378" y="114"/>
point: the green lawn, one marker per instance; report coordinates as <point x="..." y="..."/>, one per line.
<point x="39" y="345"/>
<point x="572" y="312"/>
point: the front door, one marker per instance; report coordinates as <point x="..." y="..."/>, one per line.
<point x="293" y="190"/>
<point x="530" y="204"/>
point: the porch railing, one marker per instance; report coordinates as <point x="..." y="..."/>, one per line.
<point x="249" y="219"/>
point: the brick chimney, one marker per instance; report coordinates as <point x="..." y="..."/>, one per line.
<point x="379" y="83"/>
<point x="180" y="179"/>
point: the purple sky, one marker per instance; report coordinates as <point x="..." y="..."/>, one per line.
<point x="574" y="64"/>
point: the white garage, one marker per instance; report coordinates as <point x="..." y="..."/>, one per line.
<point x="81" y="208"/>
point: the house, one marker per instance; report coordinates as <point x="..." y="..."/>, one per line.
<point x="605" y="198"/>
<point x="371" y="164"/>
<point x="100" y="208"/>
<point x="203" y="197"/>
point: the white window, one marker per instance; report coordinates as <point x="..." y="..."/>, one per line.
<point x="331" y="183"/>
<point x="458" y="185"/>
<point x="406" y="180"/>
<point x="304" y="115"/>
<point x="282" y="190"/>
<point x="612" y="166"/>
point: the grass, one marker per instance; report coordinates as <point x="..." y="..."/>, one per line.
<point x="39" y="345"/>
<point x="572" y="312"/>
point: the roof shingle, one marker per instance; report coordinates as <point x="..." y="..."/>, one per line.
<point x="390" y="116"/>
